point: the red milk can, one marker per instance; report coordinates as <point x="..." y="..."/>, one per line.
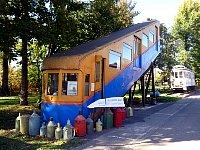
<point x="123" y="114"/>
<point x="80" y="125"/>
<point x="117" y="113"/>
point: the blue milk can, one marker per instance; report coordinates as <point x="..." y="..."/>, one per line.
<point x="34" y="124"/>
<point x="90" y="125"/>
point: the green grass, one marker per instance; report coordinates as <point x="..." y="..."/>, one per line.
<point x="14" y="140"/>
<point x="168" y="98"/>
<point x="165" y="96"/>
<point x="9" y="139"/>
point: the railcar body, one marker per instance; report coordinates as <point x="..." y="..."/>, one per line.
<point x="182" y="78"/>
<point x="106" y="67"/>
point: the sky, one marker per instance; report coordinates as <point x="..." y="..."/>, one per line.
<point x="161" y="10"/>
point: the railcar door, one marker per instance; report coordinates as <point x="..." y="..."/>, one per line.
<point x="137" y="52"/>
<point x="100" y="75"/>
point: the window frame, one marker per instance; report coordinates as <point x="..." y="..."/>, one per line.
<point x="50" y="86"/>
<point x="125" y="48"/>
<point x="114" y="53"/>
<point x="145" y="41"/>
<point x="69" y="84"/>
<point x="151" y="36"/>
<point x="88" y="88"/>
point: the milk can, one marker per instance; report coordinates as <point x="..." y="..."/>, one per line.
<point x="80" y="125"/>
<point x="108" y="119"/>
<point x="68" y="131"/>
<point x="131" y="111"/>
<point x="117" y="113"/>
<point x="58" y="132"/>
<point x="99" y="126"/>
<point x="17" y="123"/>
<point x="90" y="125"/>
<point x="34" y="124"/>
<point x="51" y="129"/>
<point x="123" y="114"/>
<point x="43" y="130"/>
<point x="24" y="124"/>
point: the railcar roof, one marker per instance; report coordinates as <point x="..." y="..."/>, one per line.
<point x="89" y="46"/>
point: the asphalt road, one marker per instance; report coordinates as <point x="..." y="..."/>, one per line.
<point x="170" y="126"/>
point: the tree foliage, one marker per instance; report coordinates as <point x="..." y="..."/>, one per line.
<point x="166" y="59"/>
<point x="45" y="27"/>
<point x="7" y="41"/>
<point x="186" y="30"/>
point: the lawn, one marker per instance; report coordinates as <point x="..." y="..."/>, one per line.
<point x="11" y="140"/>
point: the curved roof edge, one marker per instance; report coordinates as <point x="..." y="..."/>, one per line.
<point x="92" y="45"/>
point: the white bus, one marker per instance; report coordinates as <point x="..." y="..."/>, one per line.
<point x="182" y="78"/>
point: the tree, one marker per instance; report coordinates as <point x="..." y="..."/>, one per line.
<point x="186" y="30"/>
<point x="7" y="41"/>
<point x="166" y="59"/>
<point x="111" y="15"/>
<point x="36" y="56"/>
<point x="25" y="19"/>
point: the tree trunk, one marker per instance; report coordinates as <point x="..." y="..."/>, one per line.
<point x="24" y="81"/>
<point x="5" y="90"/>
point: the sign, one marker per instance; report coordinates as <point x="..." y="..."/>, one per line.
<point x="98" y="103"/>
<point x="72" y="88"/>
<point x="115" y="102"/>
<point x="108" y="102"/>
<point x="92" y="87"/>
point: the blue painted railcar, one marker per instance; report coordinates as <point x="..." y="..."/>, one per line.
<point x="103" y="68"/>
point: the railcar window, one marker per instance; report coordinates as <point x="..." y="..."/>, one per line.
<point x="114" y="60"/>
<point x="44" y="83"/>
<point x="127" y="51"/>
<point x="52" y="87"/>
<point x="87" y="83"/>
<point x="97" y="75"/>
<point x="70" y="84"/>
<point x="137" y="48"/>
<point x="145" y="41"/>
<point x="181" y="74"/>
<point x="151" y="37"/>
<point x="176" y="74"/>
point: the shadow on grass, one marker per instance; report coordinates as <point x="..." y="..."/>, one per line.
<point x="19" y="141"/>
<point x="8" y="144"/>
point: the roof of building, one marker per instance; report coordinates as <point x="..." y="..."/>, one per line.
<point x="92" y="45"/>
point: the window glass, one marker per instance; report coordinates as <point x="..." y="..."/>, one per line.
<point x="114" y="60"/>
<point x="136" y="46"/>
<point x="145" y="40"/>
<point x="127" y="51"/>
<point x="97" y="76"/>
<point x="69" y="84"/>
<point x="43" y="83"/>
<point x="52" y="88"/>
<point x="181" y="74"/>
<point x="176" y="74"/>
<point x="87" y="83"/>
<point x="151" y="37"/>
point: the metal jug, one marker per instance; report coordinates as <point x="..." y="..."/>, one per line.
<point x="51" y="129"/>
<point x="58" y="132"/>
